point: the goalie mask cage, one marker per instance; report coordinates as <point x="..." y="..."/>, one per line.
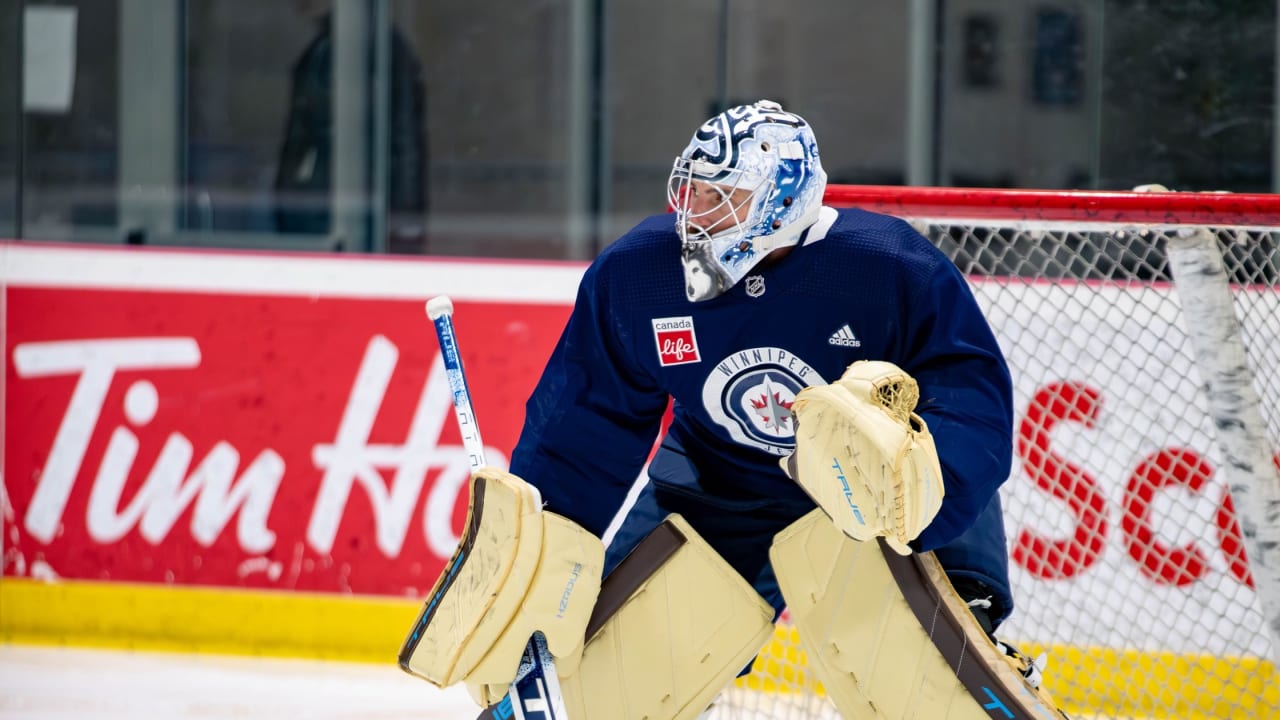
<point x="1143" y="335"/>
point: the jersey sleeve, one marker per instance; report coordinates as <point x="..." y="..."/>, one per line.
<point x="966" y="397"/>
<point x="594" y="414"/>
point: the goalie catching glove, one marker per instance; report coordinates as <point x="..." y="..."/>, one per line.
<point x="865" y="457"/>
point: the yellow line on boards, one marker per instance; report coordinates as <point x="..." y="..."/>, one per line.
<point x="190" y="619"/>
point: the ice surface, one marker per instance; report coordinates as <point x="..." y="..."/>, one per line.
<point x="61" y="683"/>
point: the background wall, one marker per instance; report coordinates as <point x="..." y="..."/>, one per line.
<point x="544" y="129"/>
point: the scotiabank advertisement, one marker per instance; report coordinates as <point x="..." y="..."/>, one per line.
<point x="284" y="421"/>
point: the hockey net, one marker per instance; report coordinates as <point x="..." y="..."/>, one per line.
<point x="1128" y="517"/>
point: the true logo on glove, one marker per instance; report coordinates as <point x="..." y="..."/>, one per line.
<point x="848" y="491"/>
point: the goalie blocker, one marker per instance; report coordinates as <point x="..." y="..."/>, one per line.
<point x="517" y="569"/>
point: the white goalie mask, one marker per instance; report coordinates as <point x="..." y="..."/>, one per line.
<point x="748" y="183"/>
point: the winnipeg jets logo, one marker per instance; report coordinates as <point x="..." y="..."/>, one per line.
<point x="750" y="394"/>
<point x="774" y="411"/>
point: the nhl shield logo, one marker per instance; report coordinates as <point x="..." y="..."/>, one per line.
<point x="755" y="286"/>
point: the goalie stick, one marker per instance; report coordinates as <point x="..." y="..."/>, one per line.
<point x="535" y="693"/>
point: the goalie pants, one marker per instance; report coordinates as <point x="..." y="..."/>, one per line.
<point x="741" y="529"/>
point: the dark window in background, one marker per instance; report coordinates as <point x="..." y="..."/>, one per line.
<point x="1058" y="66"/>
<point x="981" y="51"/>
<point x="499" y="102"/>
<point x="71" y="155"/>
<point x="1179" y="92"/>
<point x="1189" y="95"/>
<point x="236" y="78"/>
<point x="850" y="82"/>
<point x="10" y="115"/>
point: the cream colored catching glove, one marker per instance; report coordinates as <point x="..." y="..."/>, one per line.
<point x="865" y="457"/>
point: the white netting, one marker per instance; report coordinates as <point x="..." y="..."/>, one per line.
<point x="1126" y="548"/>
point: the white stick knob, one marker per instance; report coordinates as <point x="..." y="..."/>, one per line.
<point x="438" y="306"/>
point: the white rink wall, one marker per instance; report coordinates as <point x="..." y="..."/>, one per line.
<point x="1132" y="352"/>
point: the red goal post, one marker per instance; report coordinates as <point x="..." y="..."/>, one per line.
<point x="1143" y="512"/>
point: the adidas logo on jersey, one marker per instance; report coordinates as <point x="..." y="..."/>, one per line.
<point x="844" y="337"/>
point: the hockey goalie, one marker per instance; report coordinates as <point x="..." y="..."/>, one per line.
<point x="840" y="424"/>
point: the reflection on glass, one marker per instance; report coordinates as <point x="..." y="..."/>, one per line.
<point x="1058" y="68"/>
<point x="544" y="130"/>
<point x="304" y="181"/>
<point x="71" y="156"/>
<point x="239" y="58"/>
<point x="263" y="141"/>
<point x="10" y="117"/>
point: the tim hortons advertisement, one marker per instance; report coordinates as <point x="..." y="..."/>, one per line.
<point x="160" y="428"/>
<point x="284" y="422"/>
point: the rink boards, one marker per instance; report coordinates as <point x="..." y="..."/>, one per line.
<point x="254" y="452"/>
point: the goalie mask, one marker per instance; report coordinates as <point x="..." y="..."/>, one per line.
<point x="748" y="183"/>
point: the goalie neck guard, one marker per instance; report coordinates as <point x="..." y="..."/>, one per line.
<point x="748" y="183"/>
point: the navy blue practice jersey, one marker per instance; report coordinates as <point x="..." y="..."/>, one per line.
<point x="860" y="286"/>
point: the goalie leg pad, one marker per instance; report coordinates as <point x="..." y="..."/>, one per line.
<point x="888" y="636"/>
<point x="673" y="626"/>
<point x="517" y="570"/>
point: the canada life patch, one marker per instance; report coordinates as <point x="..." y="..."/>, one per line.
<point x="677" y="344"/>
